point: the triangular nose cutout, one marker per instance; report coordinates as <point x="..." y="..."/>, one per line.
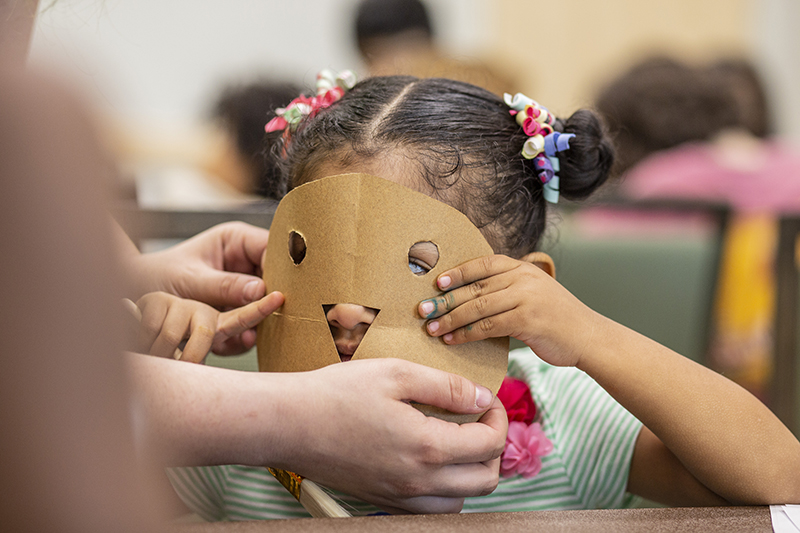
<point x="348" y="326"/>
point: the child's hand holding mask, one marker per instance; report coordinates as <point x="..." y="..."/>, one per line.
<point x="497" y="296"/>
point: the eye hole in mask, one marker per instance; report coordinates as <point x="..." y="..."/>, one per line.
<point x="422" y="257"/>
<point x="297" y="247"/>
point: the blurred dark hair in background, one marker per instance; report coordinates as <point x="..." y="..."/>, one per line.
<point x="661" y="103"/>
<point x="744" y="83"/>
<point x="244" y="110"/>
<point x="383" y="18"/>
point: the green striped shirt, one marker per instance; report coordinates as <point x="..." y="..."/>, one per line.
<point x="593" y="438"/>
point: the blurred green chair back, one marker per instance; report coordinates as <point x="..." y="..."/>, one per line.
<point x="660" y="283"/>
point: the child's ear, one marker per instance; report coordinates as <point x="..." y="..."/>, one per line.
<point x="543" y="261"/>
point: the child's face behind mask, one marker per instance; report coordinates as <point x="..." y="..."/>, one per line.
<point x="354" y="255"/>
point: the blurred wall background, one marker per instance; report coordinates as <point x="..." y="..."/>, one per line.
<point x="161" y="62"/>
<point x="585" y="44"/>
<point x="164" y="60"/>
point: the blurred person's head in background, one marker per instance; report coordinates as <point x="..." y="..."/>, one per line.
<point x="397" y="37"/>
<point x="383" y="27"/>
<point x="743" y="82"/>
<point x="661" y="103"/>
<point x="242" y="111"/>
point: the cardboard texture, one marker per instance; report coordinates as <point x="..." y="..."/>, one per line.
<point x="358" y="230"/>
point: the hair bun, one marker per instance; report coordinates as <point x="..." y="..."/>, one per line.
<point x="587" y="163"/>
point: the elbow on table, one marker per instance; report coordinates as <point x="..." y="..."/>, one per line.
<point x="781" y="490"/>
<point x="792" y="495"/>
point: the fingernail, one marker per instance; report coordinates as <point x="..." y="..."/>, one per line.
<point x="427" y="308"/>
<point x="448" y="337"/>
<point x="433" y="327"/>
<point x="483" y="397"/>
<point x="444" y="282"/>
<point x="251" y="290"/>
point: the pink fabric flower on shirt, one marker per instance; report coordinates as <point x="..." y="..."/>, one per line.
<point x="526" y="443"/>
<point x="525" y="447"/>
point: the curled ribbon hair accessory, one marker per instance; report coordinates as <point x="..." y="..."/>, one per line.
<point x="546" y="168"/>
<point x="557" y="142"/>
<point x="543" y="143"/>
<point x="533" y="147"/>
<point x="518" y="101"/>
<point x="330" y="88"/>
<point x="535" y="121"/>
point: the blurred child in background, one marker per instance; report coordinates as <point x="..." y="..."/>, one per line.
<point x="703" y="133"/>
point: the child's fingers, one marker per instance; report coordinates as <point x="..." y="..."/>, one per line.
<point x="471" y="271"/>
<point x="472" y="311"/>
<point x="237" y="321"/>
<point x="177" y="326"/>
<point x="475" y="292"/>
<point x="153" y="312"/>
<point x="200" y="338"/>
<point x="235" y="345"/>
<point x="500" y="325"/>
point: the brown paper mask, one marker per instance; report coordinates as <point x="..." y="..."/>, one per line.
<point x="357" y="231"/>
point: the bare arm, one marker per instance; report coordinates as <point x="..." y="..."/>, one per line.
<point x="723" y="436"/>
<point x="68" y="456"/>
<point x="706" y="440"/>
<point x="354" y="415"/>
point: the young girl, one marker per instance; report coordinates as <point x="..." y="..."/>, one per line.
<point x="621" y="416"/>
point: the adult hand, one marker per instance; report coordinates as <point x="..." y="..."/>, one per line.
<point x="220" y="266"/>
<point x="348" y="426"/>
<point x="365" y="439"/>
<point x="168" y="320"/>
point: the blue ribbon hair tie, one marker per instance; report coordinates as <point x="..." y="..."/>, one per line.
<point x="557" y="142"/>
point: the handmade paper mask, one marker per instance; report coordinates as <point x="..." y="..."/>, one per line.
<point x="346" y="239"/>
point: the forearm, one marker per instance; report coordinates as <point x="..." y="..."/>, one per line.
<point x="348" y="426"/>
<point x="130" y="261"/>
<point x="723" y="435"/>
<point x="141" y="273"/>
<point x="197" y="415"/>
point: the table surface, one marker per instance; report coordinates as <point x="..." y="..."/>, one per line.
<point x="667" y="520"/>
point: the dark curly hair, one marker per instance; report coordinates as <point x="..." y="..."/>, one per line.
<point x="464" y="144"/>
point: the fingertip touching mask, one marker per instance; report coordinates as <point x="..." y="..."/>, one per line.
<point x="346" y="240"/>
